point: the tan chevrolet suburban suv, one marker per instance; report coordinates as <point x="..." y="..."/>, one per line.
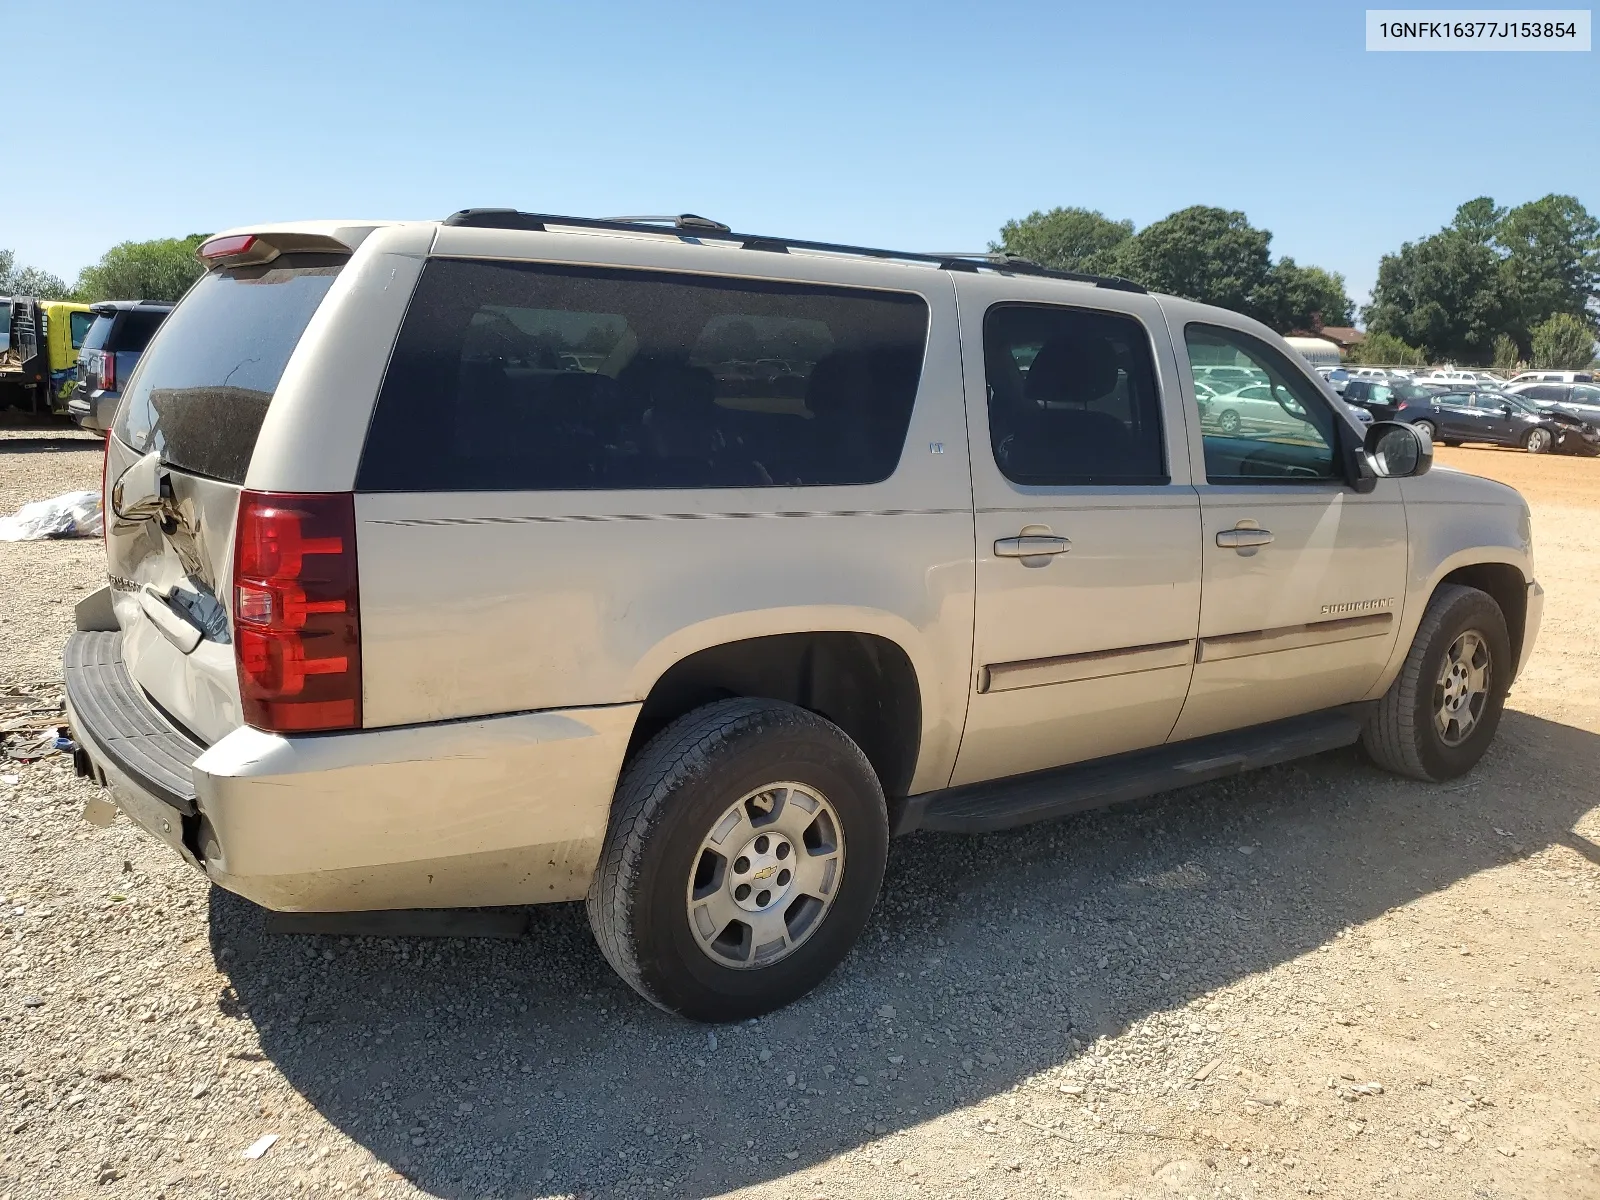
<point x="515" y="558"/>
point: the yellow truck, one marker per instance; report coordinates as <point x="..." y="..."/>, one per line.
<point x="39" y="343"/>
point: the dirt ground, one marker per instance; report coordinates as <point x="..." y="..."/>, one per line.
<point x="1315" y="980"/>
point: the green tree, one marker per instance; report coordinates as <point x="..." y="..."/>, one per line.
<point x="29" y="281"/>
<point x="1552" y="262"/>
<point x="1066" y="239"/>
<point x="1507" y="354"/>
<point x="1296" y="297"/>
<point x="157" y="270"/>
<point x="1479" y="220"/>
<point x="1386" y="350"/>
<point x="1563" y="343"/>
<point x="1443" y="294"/>
<point x="1206" y="254"/>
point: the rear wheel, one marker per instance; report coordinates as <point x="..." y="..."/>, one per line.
<point x="746" y="848"/>
<point x="1427" y="427"/>
<point x="1538" y="441"/>
<point x="1438" y="717"/>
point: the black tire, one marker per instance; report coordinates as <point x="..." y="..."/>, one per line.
<point x="1400" y="734"/>
<point x="1228" y="422"/>
<point x="1538" y="441"/>
<point x="669" y="796"/>
<point x="1430" y="427"/>
<point x="1452" y="443"/>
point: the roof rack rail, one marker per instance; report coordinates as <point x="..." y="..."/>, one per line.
<point x="692" y="227"/>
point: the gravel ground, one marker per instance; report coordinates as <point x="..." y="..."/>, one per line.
<point x="1316" y="980"/>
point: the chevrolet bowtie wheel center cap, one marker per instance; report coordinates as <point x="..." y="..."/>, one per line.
<point x="762" y="873"/>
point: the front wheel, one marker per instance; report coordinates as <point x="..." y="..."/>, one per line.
<point x="1440" y="714"/>
<point x="746" y="848"/>
<point x="1538" y="441"/>
<point x="1228" y="422"/>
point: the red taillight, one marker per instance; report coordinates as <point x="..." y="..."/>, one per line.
<point x="225" y="247"/>
<point x="296" y="613"/>
<point x="108" y="371"/>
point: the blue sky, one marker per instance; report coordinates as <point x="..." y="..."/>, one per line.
<point x="921" y="126"/>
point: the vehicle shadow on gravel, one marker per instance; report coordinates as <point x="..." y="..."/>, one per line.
<point x="525" y="1068"/>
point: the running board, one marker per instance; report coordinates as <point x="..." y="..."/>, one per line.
<point x="1046" y="795"/>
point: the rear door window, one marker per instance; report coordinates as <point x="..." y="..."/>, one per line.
<point x="1072" y="397"/>
<point x="534" y="377"/>
<point x="201" y="391"/>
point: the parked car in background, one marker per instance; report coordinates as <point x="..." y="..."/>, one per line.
<point x="1579" y="399"/>
<point x="1363" y="416"/>
<point x="1227" y="379"/>
<point x="1554" y="377"/>
<point x="1260" y="408"/>
<point x="1382" y="397"/>
<point x="121" y="331"/>
<point x="1460" y="378"/>
<point x="1501" y="419"/>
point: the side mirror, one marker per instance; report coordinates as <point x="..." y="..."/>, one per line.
<point x="1396" y="450"/>
<point x="136" y="495"/>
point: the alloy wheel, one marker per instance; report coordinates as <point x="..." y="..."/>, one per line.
<point x="766" y="875"/>
<point x="1462" y="690"/>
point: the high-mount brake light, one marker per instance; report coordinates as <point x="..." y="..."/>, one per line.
<point x="296" y="611"/>
<point x="226" y="247"/>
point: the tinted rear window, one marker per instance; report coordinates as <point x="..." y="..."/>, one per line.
<point x="99" y="331"/>
<point x="135" y="330"/>
<point x="514" y="376"/>
<point x="201" y="392"/>
<point x="1072" y="396"/>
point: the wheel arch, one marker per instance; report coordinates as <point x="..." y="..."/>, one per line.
<point x="864" y="682"/>
<point x="1506" y="586"/>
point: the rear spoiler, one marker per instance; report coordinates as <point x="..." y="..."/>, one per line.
<point x="239" y="249"/>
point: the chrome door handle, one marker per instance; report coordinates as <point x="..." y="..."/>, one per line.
<point x="1243" y="539"/>
<point x="1029" y="545"/>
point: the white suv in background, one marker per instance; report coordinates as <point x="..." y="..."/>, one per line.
<point x="489" y="561"/>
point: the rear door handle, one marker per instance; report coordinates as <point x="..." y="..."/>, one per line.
<point x="1243" y="539"/>
<point x="1029" y="545"/>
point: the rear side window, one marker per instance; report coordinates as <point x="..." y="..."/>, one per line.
<point x="532" y="377"/>
<point x="1072" y="397"/>
<point x="200" y="394"/>
<point x="79" y="323"/>
<point x="136" y="330"/>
